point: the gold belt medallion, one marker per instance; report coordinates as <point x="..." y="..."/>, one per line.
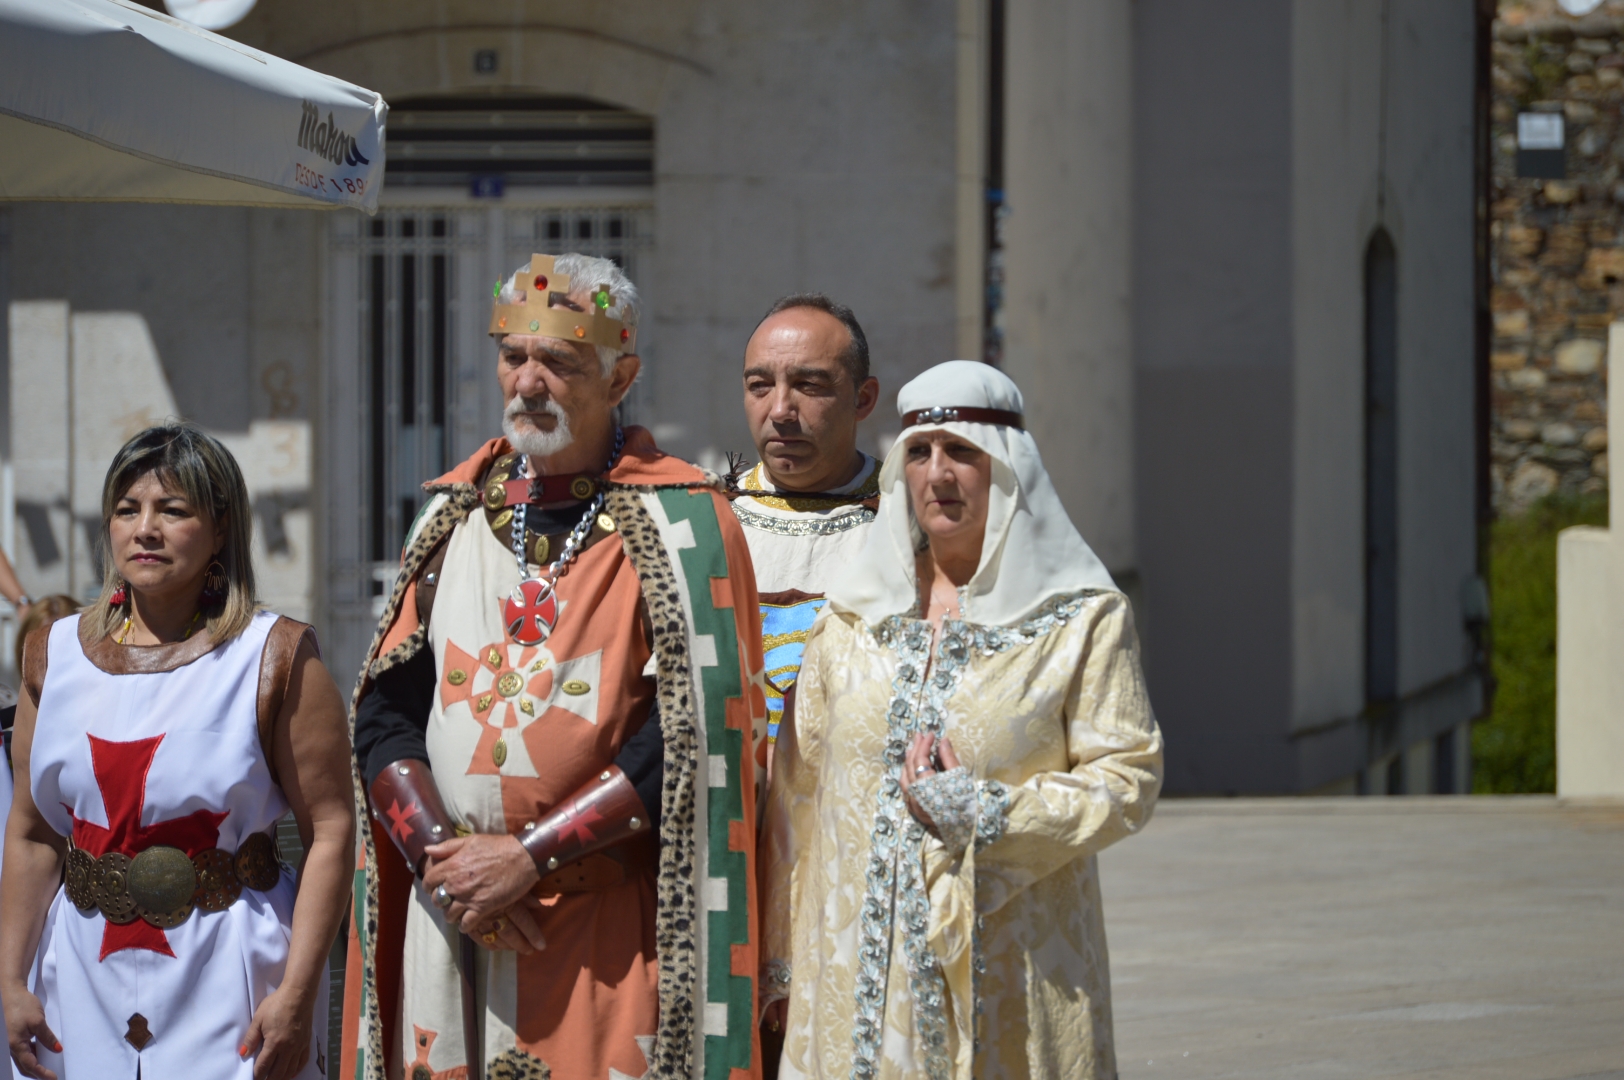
<point x="257" y="864"/>
<point x="111" y="880"/>
<point x="218" y="885"/>
<point x="162" y="885"/>
<point x="162" y="881"/>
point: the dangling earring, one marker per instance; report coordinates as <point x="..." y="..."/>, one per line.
<point x="214" y="583"/>
<point x="120" y="594"/>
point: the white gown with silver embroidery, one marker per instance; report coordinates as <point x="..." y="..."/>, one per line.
<point x="892" y="945"/>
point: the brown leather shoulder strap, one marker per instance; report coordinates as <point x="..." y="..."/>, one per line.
<point x="35" y="657"/>
<point x="275" y="673"/>
<point x="428" y="580"/>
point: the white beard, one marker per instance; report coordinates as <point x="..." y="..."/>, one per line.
<point x="531" y="440"/>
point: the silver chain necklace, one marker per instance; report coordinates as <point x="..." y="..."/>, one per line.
<point x="532" y="608"/>
<point x="577" y="537"/>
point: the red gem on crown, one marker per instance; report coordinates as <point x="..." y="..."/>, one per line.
<point x="541" y="281"/>
<point x="625" y="336"/>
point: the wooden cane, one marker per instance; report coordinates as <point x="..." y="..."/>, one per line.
<point x="470" y="1008"/>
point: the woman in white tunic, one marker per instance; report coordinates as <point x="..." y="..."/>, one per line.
<point x="160" y="737"/>
<point x="970" y="728"/>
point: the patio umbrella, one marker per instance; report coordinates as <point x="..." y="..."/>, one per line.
<point x="106" y="100"/>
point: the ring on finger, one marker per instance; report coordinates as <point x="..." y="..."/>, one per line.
<point x="499" y="925"/>
<point x="921" y="770"/>
<point x="442" y="897"/>
<point x="489" y="937"/>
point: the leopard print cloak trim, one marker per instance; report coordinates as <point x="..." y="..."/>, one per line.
<point x="516" y="1064"/>
<point x="677" y="912"/>
<point x="708" y="481"/>
<point x="676" y="917"/>
<point x="461" y="500"/>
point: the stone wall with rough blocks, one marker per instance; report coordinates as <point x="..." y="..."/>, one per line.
<point x="1558" y="250"/>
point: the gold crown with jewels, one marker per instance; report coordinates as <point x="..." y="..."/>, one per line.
<point x="535" y="312"/>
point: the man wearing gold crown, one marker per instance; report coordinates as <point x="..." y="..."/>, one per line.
<point x="555" y="736"/>
<point x="807" y="503"/>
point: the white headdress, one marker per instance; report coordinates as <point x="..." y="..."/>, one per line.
<point x="1031" y="551"/>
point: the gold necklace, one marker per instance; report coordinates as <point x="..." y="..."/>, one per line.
<point x="125" y="632"/>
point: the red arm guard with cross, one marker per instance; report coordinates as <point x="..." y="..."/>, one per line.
<point x="407" y="804"/>
<point x="605" y="812"/>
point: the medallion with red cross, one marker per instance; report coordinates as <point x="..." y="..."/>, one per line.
<point x="121" y="774"/>
<point x="531" y="611"/>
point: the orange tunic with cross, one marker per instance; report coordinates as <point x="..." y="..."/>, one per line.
<point x="514" y="729"/>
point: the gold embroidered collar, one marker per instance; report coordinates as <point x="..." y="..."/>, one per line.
<point x="810" y="504"/>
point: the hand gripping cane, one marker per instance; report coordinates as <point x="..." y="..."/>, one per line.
<point x="406" y="802"/>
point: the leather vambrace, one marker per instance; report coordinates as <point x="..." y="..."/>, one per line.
<point x="406" y="802"/>
<point x="605" y="812"/>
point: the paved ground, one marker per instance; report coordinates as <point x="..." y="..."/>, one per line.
<point x="1423" y="939"/>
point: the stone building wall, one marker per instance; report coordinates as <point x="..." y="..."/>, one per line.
<point x="1558" y="250"/>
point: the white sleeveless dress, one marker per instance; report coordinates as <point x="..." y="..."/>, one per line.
<point x="162" y="757"/>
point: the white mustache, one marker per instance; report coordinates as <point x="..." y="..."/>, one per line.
<point x="531" y="439"/>
<point x="521" y="405"/>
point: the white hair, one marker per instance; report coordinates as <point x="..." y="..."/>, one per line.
<point x="586" y="273"/>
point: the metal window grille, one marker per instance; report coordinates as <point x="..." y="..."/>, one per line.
<point x="420" y="321"/>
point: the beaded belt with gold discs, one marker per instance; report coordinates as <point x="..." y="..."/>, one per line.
<point x="163" y="885"/>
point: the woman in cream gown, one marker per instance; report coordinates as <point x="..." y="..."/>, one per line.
<point x="932" y="903"/>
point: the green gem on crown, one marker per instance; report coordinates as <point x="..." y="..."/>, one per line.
<point x="496" y="293"/>
<point x="601" y="298"/>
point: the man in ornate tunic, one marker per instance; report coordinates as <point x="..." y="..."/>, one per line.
<point x="555" y="735"/>
<point x="807" y="504"/>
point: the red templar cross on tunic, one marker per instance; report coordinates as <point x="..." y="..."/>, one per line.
<point x="121" y="774"/>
